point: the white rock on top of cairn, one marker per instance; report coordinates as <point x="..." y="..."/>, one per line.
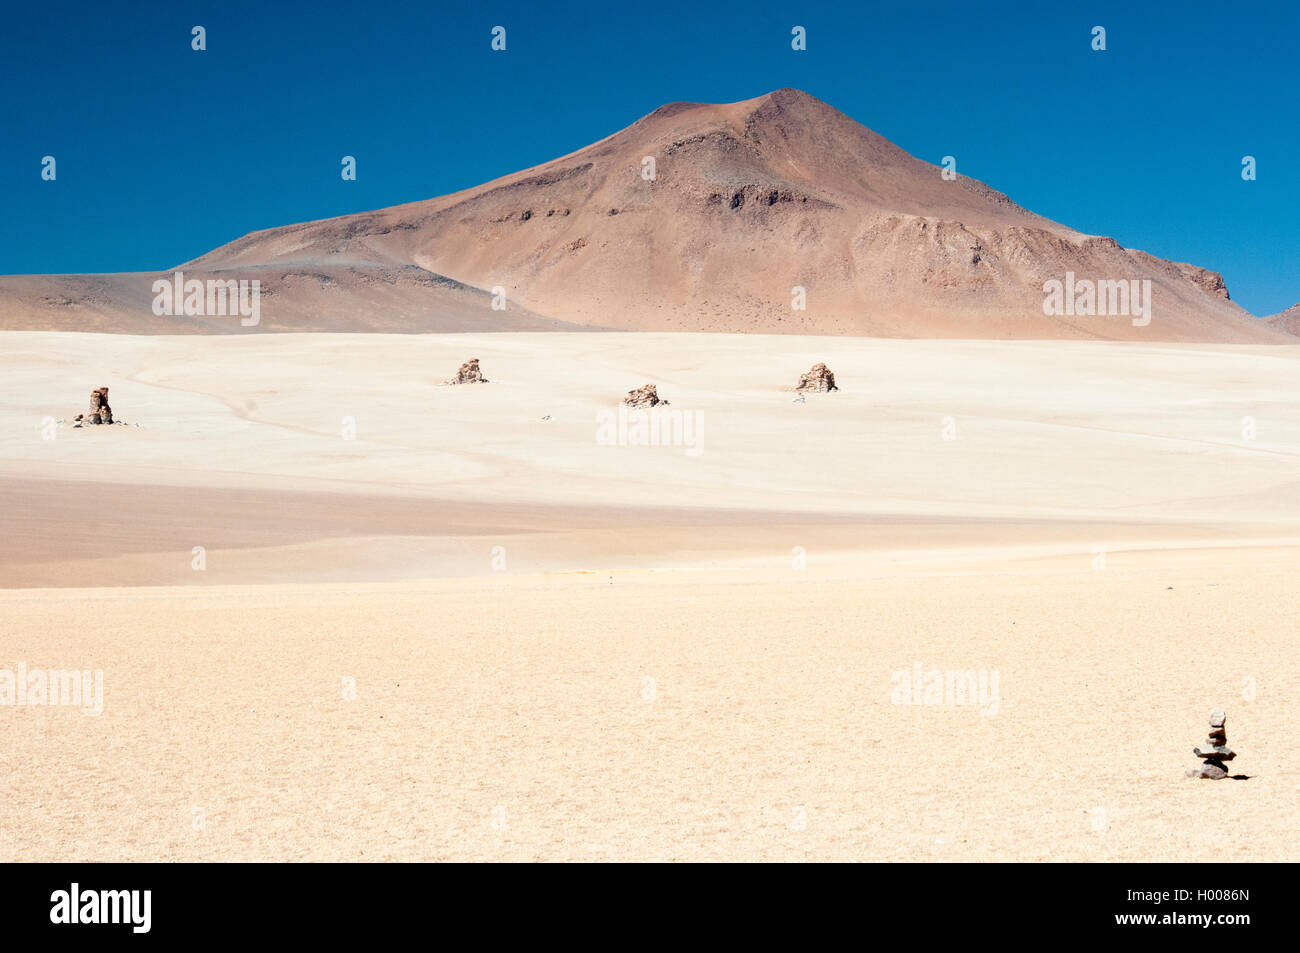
<point x="1214" y="751"/>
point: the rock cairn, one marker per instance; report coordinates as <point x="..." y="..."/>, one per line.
<point x="1215" y="750"/>
<point x="100" y="412"/>
<point x="645" y="396"/>
<point x="469" y="373"/>
<point x="818" y="380"/>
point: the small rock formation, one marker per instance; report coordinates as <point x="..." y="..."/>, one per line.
<point x="469" y="373"/>
<point x="645" y="396"/>
<point x="819" y="380"/>
<point x="100" y="412"/>
<point x="1215" y="751"/>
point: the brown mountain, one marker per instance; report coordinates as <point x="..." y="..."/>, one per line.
<point x="748" y="200"/>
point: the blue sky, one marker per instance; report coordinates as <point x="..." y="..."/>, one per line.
<point x="164" y="153"/>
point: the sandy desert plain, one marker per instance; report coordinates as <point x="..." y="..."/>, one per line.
<point x="443" y="623"/>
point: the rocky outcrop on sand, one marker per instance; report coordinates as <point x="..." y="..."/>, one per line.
<point x="646" y="396"/>
<point x="99" y="412"/>
<point x="469" y="373"/>
<point x="817" y="380"/>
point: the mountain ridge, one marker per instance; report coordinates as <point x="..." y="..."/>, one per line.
<point x="748" y="202"/>
<point x="1288" y="320"/>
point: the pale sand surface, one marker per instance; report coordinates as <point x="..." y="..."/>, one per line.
<point x="523" y="689"/>
<point x="772" y="702"/>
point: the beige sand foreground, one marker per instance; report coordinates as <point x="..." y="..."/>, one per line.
<point x="514" y="719"/>
<point x="681" y="657"/>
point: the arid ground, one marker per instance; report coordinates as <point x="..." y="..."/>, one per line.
<point x="343" y="612"/>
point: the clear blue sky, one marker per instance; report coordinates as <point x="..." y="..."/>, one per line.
<point x="164" y="153"/>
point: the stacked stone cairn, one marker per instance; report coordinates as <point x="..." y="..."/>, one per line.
<point x="1214" y="750"/>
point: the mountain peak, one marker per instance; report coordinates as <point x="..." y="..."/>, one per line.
<point x="794" y="104"/>
<point x="786" y="99"/>
<point x="788" y="96"/>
